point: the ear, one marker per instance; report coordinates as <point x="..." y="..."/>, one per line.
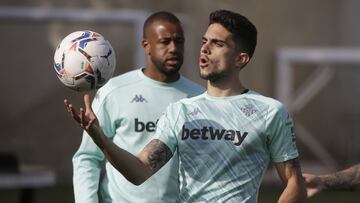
<point x="146" y="46"/>
<point x="242" y="60"/>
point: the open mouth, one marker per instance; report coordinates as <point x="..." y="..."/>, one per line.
<point x="203" y="61"/>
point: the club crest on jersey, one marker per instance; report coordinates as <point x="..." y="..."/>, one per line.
<point x="248" y="110"/>
<point x="138" y="98"/>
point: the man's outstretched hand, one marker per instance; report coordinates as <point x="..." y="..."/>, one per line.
<point x="87" y="118"/>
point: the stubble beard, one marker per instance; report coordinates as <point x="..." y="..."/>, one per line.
<point x="214" y="76"/>
<point x="168" y="71"/>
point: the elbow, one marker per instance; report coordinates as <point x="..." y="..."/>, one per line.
<point x="295" y="192"/>
<point x="295" y="197"/>
<point x="301" y="194"/>
<point x="137" y="182"/>
<point x="301" y="197"/>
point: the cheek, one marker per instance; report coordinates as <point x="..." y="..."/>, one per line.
<point x="227" y="60"/>
<point x="157" y="52"/>
<point x="161" y="51"/>
<point x="219" y="62"/>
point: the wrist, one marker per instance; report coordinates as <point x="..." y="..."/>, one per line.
<point x="325" y="182"/>
<point x="97" y="136"/>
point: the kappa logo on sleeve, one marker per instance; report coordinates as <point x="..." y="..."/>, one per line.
<point x="195" y="112"/>
<point x="138" y="98"/>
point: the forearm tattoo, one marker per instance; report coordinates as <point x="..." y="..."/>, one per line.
<point x="158" y="154"/>
<point x="348" y="179"/>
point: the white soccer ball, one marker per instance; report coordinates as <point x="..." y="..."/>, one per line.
<point x="84" y="60"/>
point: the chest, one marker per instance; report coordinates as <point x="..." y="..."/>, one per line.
<point x="212" y="128"/>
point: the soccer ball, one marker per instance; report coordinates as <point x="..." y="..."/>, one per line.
<point x="84" y="60"/>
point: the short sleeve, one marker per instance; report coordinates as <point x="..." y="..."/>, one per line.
<point x="281" y="137"/>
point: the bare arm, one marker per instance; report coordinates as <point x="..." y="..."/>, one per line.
<point x="348" y="179"/>
<point x="136" y="169"/>
<point x="290" y="173"/>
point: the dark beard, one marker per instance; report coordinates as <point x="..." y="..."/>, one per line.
<point x="214" y="76"/>
<point x="167" y="71"/>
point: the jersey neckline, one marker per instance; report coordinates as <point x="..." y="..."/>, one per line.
<point x="147" y="79"/>
<point x="243" y="94"/>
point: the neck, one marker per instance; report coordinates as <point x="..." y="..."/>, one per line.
<point x="225" y="87"/>
<point x="155" y="74"/>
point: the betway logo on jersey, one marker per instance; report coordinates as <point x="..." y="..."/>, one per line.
<point x="145" y="126"/>
<point x="210" y="133"/>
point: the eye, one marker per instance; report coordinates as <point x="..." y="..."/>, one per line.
<point x="219" y="44"/>
<point x="164" y="41"/>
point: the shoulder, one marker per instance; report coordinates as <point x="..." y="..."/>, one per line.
<point x="271" y="105"/>
<point x="190" y="86"/>
<point x="122" y="80"/>
<point x="117" y="83"/>
<point x="186" y="103"/>
<point x="268" y="101"/>
<point x="181" y="108"/>
<point x="274" y="113"/>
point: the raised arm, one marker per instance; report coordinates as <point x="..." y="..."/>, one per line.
<point x="290" y="173"/>
<point x="136" y="169"/>
<point x="348" y="179"/>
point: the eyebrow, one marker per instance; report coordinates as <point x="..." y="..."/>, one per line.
<point x="214" y="40"/>
<point x="170" y="37"/>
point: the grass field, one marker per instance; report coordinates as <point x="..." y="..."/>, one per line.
<point x="64" y="194"/>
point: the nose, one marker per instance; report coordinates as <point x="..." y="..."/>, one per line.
<point x="205" y="49"/>
<point x="173" y="47"/>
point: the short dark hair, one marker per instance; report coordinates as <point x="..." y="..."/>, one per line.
<point x="158" y="16"/>
<point x="243" y="31"/>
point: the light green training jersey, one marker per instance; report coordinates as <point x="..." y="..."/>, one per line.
<point x="225" y="144"/>
<point x="128" y="108"/>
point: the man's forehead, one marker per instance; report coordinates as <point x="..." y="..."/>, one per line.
<point x="165" y="25"/>
<point x="161" y="28"/>
<point x="217" y="31"/>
